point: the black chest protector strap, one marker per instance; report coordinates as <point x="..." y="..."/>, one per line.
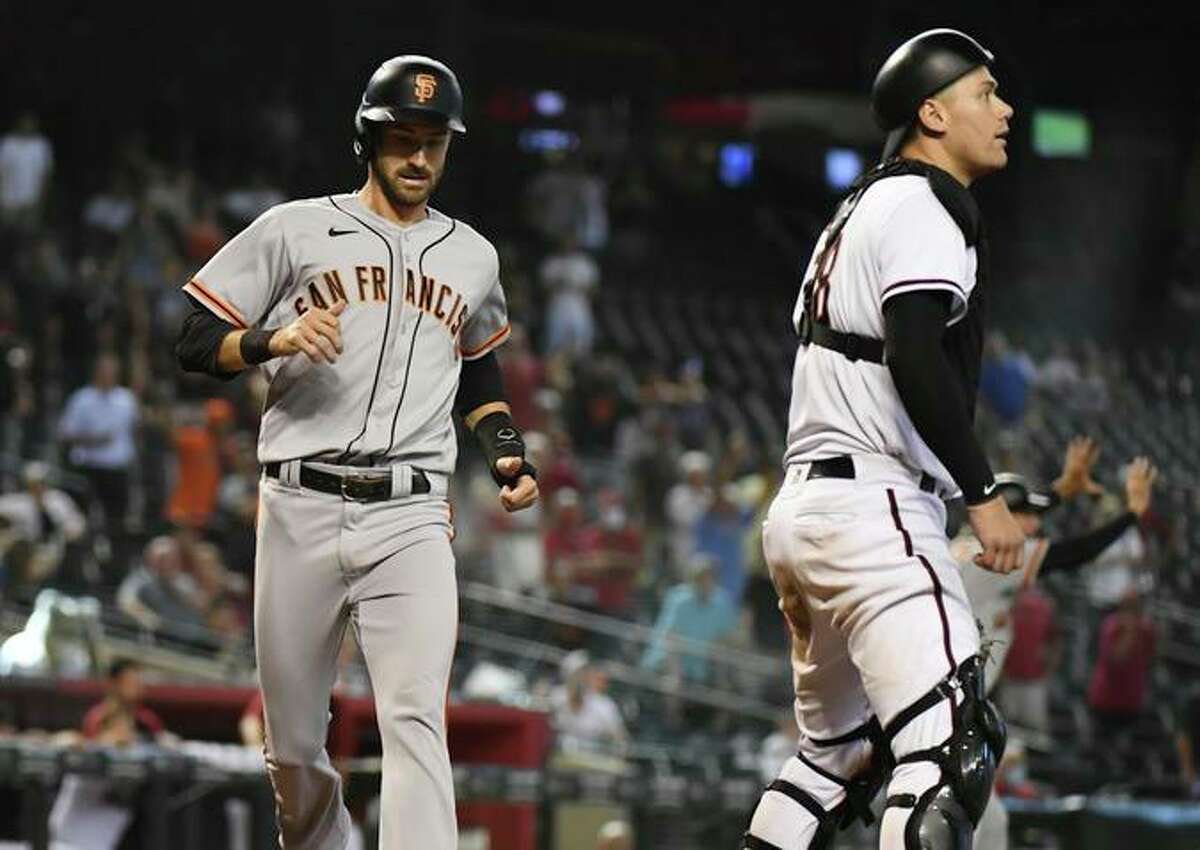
<point x="814" y="326"/>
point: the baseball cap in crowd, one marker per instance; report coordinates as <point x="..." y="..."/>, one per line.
<point x="1022" y="497"/>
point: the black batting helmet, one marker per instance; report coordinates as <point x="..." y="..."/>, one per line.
<point x="407" y="86"/>
<point x="917" y="69"/>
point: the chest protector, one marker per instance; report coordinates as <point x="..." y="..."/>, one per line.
<point x="963" y="342"/>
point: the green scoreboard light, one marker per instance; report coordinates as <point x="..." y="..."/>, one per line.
<point x="1061" y="133"/>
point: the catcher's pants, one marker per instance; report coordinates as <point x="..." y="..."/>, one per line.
<point x="385" y="569"/>
<point x="878" y="617"/>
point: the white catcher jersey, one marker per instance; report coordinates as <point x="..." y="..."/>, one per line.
<point x="420" y="299"/>
<point x="899" y="239"/>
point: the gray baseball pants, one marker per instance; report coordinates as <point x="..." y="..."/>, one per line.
<point x="386" y="570"/>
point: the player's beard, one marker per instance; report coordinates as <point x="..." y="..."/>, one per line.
<point x="401" y="196"/>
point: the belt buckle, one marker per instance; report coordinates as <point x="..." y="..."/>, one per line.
<point x="355" y="488"/>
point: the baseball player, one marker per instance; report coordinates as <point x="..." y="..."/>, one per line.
<point x="885" y="657"/>
<point x="992" y="596"/>
<point x="374" y="316"/>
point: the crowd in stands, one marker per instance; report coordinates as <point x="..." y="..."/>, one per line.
<point x="126" y="480"/>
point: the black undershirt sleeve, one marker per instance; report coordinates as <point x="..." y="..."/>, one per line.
<point x="1076" y="551"/>
<point x="931" y="393"/>
<point x="200" y="340"/>
<point x="479" y="383"/>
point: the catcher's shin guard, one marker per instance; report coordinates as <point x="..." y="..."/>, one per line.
<point x="944" y="816"/>
<point x="806" y="793"/>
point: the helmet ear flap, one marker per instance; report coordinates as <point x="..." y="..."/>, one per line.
<point x="363" y="142"/>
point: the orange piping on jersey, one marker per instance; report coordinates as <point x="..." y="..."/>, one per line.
<point x="198" y="289"/>
<point x="491" y="342"/>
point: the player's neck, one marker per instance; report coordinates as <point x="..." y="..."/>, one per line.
<point x="374" y="199"/>
<point x="937" y="156"/>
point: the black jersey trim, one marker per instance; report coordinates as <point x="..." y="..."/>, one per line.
<point x="416" y="327"/>
<point x="386" y="326"/>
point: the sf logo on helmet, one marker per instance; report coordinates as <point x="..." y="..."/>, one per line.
<point x="424" y="87"/>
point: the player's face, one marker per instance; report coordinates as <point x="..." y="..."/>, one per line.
<point x="977" y="123"/>
<point x="409" y="160"/>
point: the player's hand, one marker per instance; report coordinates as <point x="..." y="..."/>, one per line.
<point x="1139" y="482"/>
<point x="1002" y="538"/>
<point x="524" y="494"/>
<point x="317" y="333"/>
<point x="1076" y="477"/>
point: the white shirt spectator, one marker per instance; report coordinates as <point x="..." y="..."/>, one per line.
<point x="595" y="723"/>
<point x="23" y="514"/>
<point x="686" y="504"/>
<point x="92" y="412"/>
<point x="569" y="278"/>
<point x="110" y="212"/>
<point x="26" y="160"/>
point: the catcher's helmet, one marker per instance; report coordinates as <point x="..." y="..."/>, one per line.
<point x="917" y="69"/>
<point x="407" y="86"/>
<point x="1021" y="496"/>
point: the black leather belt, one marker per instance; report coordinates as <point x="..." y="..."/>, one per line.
<point x="842" y="466"/>
<point x="368" y="487"/>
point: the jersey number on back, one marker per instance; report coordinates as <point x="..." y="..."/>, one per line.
<point x="819" y="303"/>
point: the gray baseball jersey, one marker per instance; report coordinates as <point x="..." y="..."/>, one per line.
<point x="420" y="299"/>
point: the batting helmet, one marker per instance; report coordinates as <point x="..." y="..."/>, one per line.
<point x="1021" y="497"/>
<point x="407" y="86"/>
<point x="917" y="69"/>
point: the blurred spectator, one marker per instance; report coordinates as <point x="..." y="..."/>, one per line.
<point x="98" y="425"/>
<point x="156" y="594"/>
<point x="584" y="715"/>
<point x="560" y="468"/>
<point x="569" y="277"/>
<point x="198" y="437"/>
<point x="611" y="557"/>
<point x="566" y="202"/>
<point x="698" y="610"/>
<point x="245" y="203"/>
<point x="601" y="401"/>
<point x="564" y="541"/>
<point x="120" y="719"/>
<point x="1119" y="686"/>
<point x="45" y="520"/>
<point x="721" y="532"/>
<point x="237" y="504"/>
<point x="203" y="235"/>
<point x="211" y="581"/>
<point x="779" y="746"/>
<point x="687" y="502"/>
<point x="108" y="213"/>
<point x="89" y="812"/>
<point x="523" y="374"/>
<point x="1005" y="378"/>
<point x="615" y="835"/>
<point x="691" y="406"/>
<point x="26" y="162"/>
<point x="1025" y="691"/>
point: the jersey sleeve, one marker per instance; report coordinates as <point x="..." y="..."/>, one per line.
<point x="246" y="278"/>
<point x="487" y="325"/>
<point x="921" y="248"/>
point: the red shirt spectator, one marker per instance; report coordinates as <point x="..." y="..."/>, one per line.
<point x="120" y="719"/>
<point x="523" y="372"/>
<point x="1032" y="636"/>
<point x="1122" y="673"/>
